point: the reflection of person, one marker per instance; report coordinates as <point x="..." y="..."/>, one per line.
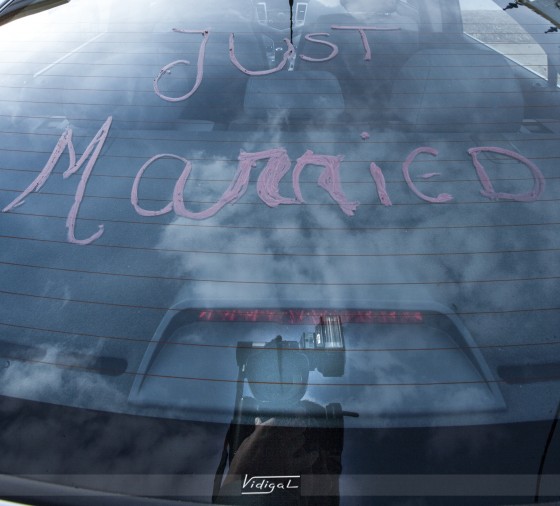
<point x="275" y="450"/>
<point x="272" y="450"/>
<point x="300" y="440"/>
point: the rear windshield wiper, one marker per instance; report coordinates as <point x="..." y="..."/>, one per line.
<point x="13" y="9"/>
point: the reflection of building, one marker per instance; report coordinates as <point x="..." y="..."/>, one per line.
<point x="550" y="9"/>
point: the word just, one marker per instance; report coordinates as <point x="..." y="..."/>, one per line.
<point x="288" y="55"/>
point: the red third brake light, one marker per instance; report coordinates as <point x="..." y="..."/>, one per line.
<point x="309" y="316"/>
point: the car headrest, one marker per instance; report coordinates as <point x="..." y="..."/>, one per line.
<point x="471" y="89"/>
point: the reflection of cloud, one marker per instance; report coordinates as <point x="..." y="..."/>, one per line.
<point x="267" y="259"/>
<point x="18" y="382"/>
<point x="413" y="251"/>
<point x="48" y="380"/>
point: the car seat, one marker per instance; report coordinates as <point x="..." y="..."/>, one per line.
<point x="463" y="87"/>
<point x="365" y="80"/>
